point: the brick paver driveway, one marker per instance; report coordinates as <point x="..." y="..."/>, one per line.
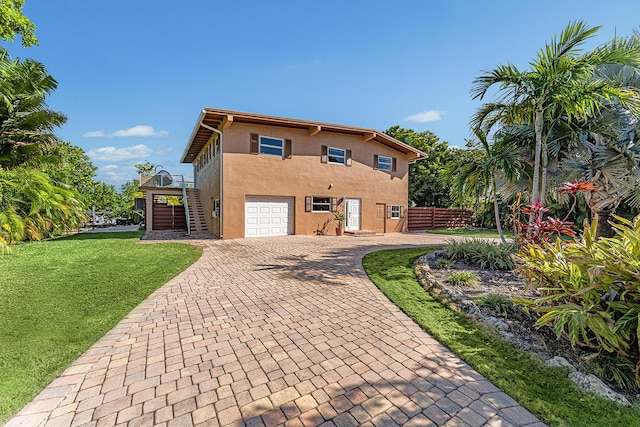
<point x="275" y="331"/>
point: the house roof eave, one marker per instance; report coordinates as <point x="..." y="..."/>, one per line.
<point x="224" y="118"/>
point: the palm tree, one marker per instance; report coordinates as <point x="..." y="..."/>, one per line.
<point x="481" y="174"/>
<point x="32" y="206"/>
<point x="610" y="160"/>
<point x="26" y="123"/>
<point x="560" y="85"/>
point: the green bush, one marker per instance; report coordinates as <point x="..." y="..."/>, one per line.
<point x="482" y="253"/>
<point x="463" y="278"/>
<point x="590" y="289"/>
<point x="497" y="303"/>
<point x="443" y="263"/>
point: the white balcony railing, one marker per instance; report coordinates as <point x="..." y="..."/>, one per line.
<point x="164" y="180"/>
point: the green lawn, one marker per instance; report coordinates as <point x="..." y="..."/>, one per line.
<point x="546" y="392"/>
<point x="472" y="232"/>
<point x="58" y="297"/>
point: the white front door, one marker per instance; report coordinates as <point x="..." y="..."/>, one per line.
<point x="353" y="214"/>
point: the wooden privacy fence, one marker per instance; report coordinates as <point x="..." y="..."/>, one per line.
<point x="420" y="219"/>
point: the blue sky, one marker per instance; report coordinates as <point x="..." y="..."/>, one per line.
<point x="133" y="76"/>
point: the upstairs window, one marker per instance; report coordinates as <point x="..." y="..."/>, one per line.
<point x="384" y="163"/>
<point x="337" y="155"/>
<point x="271" y="146"/>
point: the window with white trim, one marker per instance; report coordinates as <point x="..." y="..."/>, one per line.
<point x="395" y="211"/>
<point x="337" y="155"/>
<point x="271" y="146"/>
<point x="384" y="163"/>
<point x="320" y="204"/>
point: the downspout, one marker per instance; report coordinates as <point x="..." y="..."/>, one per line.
<point x="220" y="134"/>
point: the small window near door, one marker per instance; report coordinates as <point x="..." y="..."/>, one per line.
<point x="384" y="163"/>
<point x="271" y="146"/>
<point x="320" y="204"/>
<point x="395" y="211"/>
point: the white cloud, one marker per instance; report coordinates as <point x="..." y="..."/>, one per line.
<point x="109" y="167"/>
<point x="113" y="154"/>
<point x="426" y="116"/>
<point x="140" y="130"/>
<point x="94" y="134"/>
<point x="135" y="131"/>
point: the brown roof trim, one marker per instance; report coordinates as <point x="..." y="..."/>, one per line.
<point x="222" y="119"/>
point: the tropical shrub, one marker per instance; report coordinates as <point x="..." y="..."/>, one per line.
<point x="443" y="263"/>
<point x="33" y="207"/>
<point x="590" y="289"/>
<point x="463" y="278"/>
<point x="497" y="303"/>
<point x="482" y="253"/>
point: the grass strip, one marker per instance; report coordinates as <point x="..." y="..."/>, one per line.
<point x="472" y="232"/>
<point x="546" y="392"/>
<point x="58" y="297"/>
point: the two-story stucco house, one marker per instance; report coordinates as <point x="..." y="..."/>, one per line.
<point x="260" y="176"/>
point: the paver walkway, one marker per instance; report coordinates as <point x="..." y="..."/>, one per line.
<point x="274" y="331"/>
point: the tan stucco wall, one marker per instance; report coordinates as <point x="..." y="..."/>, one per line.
<point x="302" y="175"/>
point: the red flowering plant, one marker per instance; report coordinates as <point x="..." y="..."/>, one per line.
<point x="574" y="189"/>
<point x="540" y="229"/>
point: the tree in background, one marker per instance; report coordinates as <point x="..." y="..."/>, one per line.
<point x="13" y="22"/>
<point x="145" y="168"/>
<point x="129" y="191"/>
<point x="428" y="181"/>
<point x="104" y="197"/>
<point x="74" y="168"/>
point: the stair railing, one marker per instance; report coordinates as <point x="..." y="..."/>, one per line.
<point x="186" y="210"/>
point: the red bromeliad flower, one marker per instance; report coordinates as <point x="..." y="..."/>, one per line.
<point x="576" y="187"/>
<point x="537" y="209"/>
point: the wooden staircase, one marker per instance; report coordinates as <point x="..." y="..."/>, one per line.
<point x="197" y="219"/>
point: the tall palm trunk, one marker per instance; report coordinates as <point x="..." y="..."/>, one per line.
<point x="496" y="210"/>
<point x="543" y="184"/>
<point x="535" y="188"/>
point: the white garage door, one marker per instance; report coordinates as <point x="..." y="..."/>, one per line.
<point x="268" y="216"/>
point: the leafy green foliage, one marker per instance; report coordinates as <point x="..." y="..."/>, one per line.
<point x="74" y="168"/>
<point x="26" y="123"/>
<point x="14" y="22"/>
<point x="33" y="207"/>
<point x="60" y="296"/>
<point x="145" y="168"/>
<point x="557" y="95"/>
<point x="497" y="303"/>
<point x="463" y="278"/>
<point x="546" y="392"/>
<point x="590" y="289"/>
<point x="615" y="368"/>
<point x="444" y="263"/>
<point x="428" y="182"/>
<point x="482" y="253"/>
